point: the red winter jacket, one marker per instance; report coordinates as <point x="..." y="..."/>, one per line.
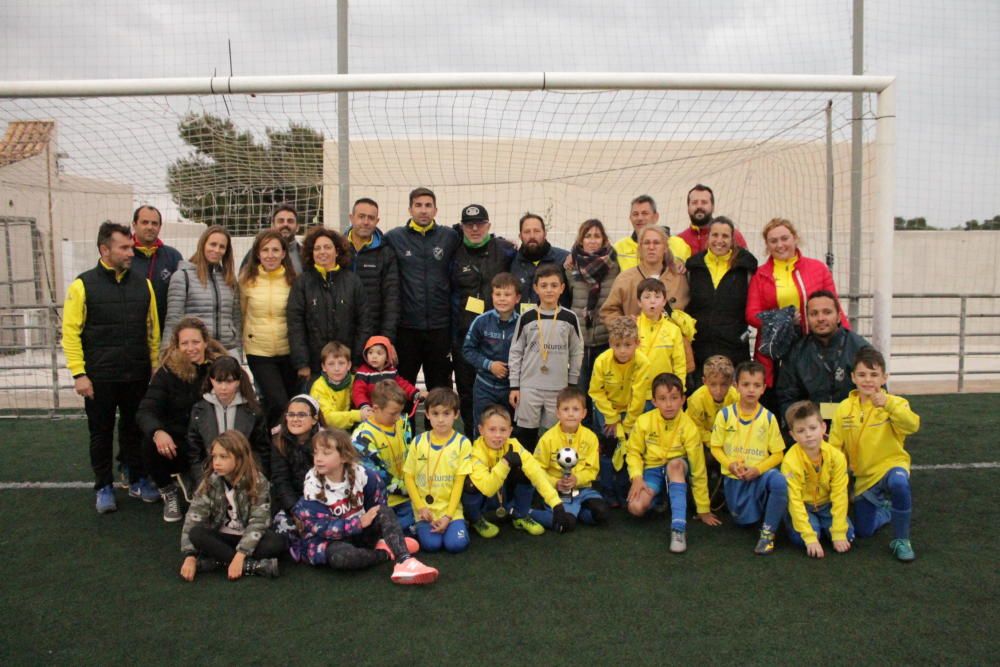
<point x="365" y="379"/>
<point x="810" y="275"/>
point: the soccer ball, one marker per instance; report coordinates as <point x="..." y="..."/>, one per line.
<point x="567" y="458"/>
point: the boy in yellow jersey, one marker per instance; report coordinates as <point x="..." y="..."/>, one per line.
<point x="573" y="484"/>
<point x="870" y="427"/>
<point x="381" y="440"/>
<point x="716" y="393"/>
<point x="619" y="385"/>
<point x="816" y="474"/>
<point x="504" y="476"/>
<point x="747" y="443"/>
<point x="332" y="389"/>
<point x="665" y="446"/>
<point x="436" y="466"/>
<point x="660" y="339"/>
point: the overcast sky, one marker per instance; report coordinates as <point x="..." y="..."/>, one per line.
<point x="946" y="56"/>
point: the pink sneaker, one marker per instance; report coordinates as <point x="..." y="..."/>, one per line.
<point x="411" y="545"/>
<point x="412" y="571"/>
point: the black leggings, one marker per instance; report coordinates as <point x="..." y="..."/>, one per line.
<point x="277" y="381"/>
<point x="221" y="546"/>
<point x="358" y="552"/>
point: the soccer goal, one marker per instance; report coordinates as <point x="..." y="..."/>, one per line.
<point x="568" y="146"/>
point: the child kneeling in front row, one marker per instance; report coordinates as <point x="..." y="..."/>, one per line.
<point x="747" y="443"/>
<point x="871" y="426"/>
<point x="381" y="441"/>
<point x="226" y="524"/>
<point x="346" y="523"/>
<point x="816" y="474"/>
<point x="666" y="445"/>
<point x="574" y="484"/>
<point x="501" y="467"/>
<point x="436" y="466"/>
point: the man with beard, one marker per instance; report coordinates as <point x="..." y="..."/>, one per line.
<point x="286" y="221"/>
<point x="479" y="258"/>
<point x="642" y="213"/>
<point x="694" y="239"/>
<point x="152" y="258"/>
<point x="818" y="367"/>
<point x="424" y="250"/>
<point x="375" y="263"/>
<point x="535" y="250"/>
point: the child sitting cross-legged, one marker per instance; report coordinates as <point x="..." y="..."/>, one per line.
<point x="747" y="443"/>
<point x="346" y="523"/>
<point x="574" y="484"/>
<point x="816" y="474"/>
<point x="504" y="476"/>
<point x="664" y="447"/>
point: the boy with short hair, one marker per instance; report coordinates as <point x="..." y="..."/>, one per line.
<point x="574" y="485"/>
<point x="747" y="443"/>
<point x="660" y="339"/>
<point x="501" y="467"/>
<point x="435" y="469"/>
<point x="545" y="356"/>
<point x="816" y="474"/>
<point x="870" y="427"/>
<point x="381" y="439"/>
<point x="716" y="392"/>
<point x="379" y="364"/>
<point x="487" y="346"/>
<point x="618" y="387"/>
<point x="332" y="389"/>
<point x="664" y="447"/>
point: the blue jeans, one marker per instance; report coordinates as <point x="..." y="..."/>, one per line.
<point x="455" y="538"/>
<point x="613" y="484"/>
<point x="821" y="519"/>
<point x="574" y="507"/>
<point x="517" y="500"/>
<point x="888" y="501"/>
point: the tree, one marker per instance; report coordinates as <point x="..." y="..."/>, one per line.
<point x="232" y="180"/>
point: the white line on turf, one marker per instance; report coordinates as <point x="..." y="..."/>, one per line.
<point x="6" y="486"/>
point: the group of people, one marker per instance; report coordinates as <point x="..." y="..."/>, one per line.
<point x="604" y="376"/>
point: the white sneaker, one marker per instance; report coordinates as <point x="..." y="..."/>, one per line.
<point x="678" y="541"/>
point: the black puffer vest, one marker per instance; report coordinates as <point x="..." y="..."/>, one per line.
<point x="114" y="335"/>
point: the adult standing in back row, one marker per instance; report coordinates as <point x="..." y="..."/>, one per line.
<point x="535" y="251"/>
<point x="153" y="258"/>
<point x="424" y="250"/>
<point x="374" y="262"/>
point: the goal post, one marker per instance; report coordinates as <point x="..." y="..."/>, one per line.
<point x="569" y="145"/>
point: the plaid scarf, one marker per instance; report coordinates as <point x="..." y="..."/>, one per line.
<point x="593" y="269"/>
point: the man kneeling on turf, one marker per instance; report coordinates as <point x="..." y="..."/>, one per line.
<point x="666" y="444"/>
<point x="501" y="467"/>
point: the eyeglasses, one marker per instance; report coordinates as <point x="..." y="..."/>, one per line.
<point x="297" y="415"/>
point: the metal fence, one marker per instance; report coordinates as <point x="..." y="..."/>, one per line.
<point x="35" y="381"/>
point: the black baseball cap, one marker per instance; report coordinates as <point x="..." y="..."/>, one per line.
<point x="475" y="213"/>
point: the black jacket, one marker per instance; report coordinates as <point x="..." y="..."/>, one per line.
<point x="471" y="272"/>
<point x="158" y="270"/>
<point x="114" y="335"/>
<point x="324" y="309"/>
<point x="816" y="372"/>
<point x="424" y="288"/>
<point x="203" y="428"/>
<point x="524" y="270"/>
<point x="288" y="471"/>
<point x="720" y="311"/>
<point x="378" y="270"/>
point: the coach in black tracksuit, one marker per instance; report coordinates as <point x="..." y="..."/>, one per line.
<point x="424" y="250"/>
<point x="479" y="257"/>
<point x="374" y="262"/>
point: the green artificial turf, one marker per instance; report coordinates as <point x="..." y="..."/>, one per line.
<point x="78" y="588"/>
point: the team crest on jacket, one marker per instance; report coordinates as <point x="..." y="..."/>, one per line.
<point x="438" y="253"/>
<point x="839" y="374"/>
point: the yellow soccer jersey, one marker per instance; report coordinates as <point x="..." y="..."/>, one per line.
<point x="873" y="439"/>
<point x="655" y="441"/>
<point x="753" y="441"/>
<point x="335" y="404"/>
<point x="809" y="488"/>
<point x="385" y="450"/>
<point x="616" y="388"/>
<point x="702" y="408"/>
<point x="436" y="471"/>
<point x="627" y="252"/>
<point x="490" y="470"/>
<point x="584" y="441"/>
<point x="663" y="345"/>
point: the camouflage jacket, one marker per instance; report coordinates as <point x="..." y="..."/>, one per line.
<point x="209" y="509"/>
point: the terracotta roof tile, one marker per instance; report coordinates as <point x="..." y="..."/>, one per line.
<point x="25" y="139"/>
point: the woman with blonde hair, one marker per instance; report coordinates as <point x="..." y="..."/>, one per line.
<point x="205" y="287"/>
